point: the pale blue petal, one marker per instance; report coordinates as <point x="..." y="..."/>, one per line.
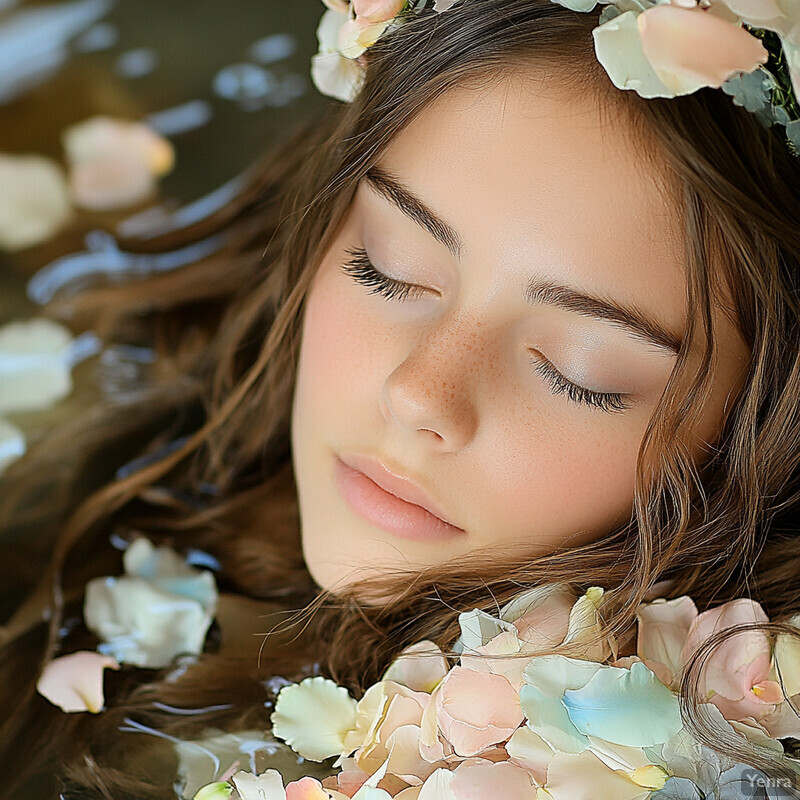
<point x="625" y="706"/>
<point x="546" y="679"/>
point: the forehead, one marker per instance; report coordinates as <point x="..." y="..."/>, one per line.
<point x="548" y="183"/>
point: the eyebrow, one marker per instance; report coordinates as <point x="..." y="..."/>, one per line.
<point x="538" y="291"/>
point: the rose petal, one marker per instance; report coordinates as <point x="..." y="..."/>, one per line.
<point x="378" y="10"/>
<point x="689" y="48"/>
<point x="584" y="775"/>
<point x="34" y="203"/>
<point x="75" y="682"/>
<point x="618" y="47"/>
<point x="419" y="667"/>
<point x="476" y="710"/>
<point x="481" y="781"/>
<point x="314" y="717"/>
<point x="663" y="628"/>
<point x="113" y="162"/>
<point x="738" y="663"/>
<point x="332" y="73"/>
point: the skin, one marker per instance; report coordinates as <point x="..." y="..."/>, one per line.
<point x="441" y="387"/>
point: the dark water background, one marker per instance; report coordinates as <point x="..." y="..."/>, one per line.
<point x="241" y="67"/>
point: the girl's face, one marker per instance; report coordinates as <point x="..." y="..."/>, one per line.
<point x="493" y="325"/>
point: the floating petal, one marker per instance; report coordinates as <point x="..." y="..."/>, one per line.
<point x="34" y="203"/>
<point x="314" y="717"/>
<point x="75" y="682"/>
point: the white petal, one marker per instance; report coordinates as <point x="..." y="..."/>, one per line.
<point x="267" y="786"/>
<point x="577" y="5"/>
<point x="479" y="628"/>
<point x="167" y="570"/>
<point x="75" y="682"/>
<point x="438" y="786"/>
<point x="618" y="47"/>
<point x="328" y="31"/>
<point x="337" y="76"/>
<point x="141" y="624"/>
<point x="313" y="717"/>
<point x="12" y="444"/>
<point x="419" y="667"/>
<point x="34" y="202"/>
<point x="34" y="364"/>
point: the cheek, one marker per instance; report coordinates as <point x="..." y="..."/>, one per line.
<point x="338" y="354"/>
<point x="553" y="481"/>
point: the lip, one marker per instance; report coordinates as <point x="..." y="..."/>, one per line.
<point x="390" y="501"/>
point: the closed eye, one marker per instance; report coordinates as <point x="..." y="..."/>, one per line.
<point x="361" y="269"/>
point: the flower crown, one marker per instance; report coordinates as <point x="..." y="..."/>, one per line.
<point x="658" y="48"/>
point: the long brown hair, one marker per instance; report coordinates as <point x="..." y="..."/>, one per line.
<point x="212" y="430"/>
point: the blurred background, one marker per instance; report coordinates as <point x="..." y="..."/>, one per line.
<point x="115" y="114"/>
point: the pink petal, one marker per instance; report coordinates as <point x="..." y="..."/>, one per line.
<point x="306" y="789"/>
<point x="691" y="43"/>
<point x="545" y="626"/>
<point x="75" y="682"/>
<point x="476" y="710"/>
<point x="663" y="628"/>
<point x="378" y="10"/>
<point x="739" y="663"/>
<point x="110" y="183"/>
<point x="483" y="781"/>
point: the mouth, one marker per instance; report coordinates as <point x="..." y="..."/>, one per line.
<point x="393" y="514"/>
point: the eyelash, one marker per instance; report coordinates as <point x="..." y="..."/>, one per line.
<point x="363" y="271"/>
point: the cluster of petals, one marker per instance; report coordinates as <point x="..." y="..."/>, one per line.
<point x="539" y="706"/>
<point x="161" y="608"/>
<point x="111" y="164"/>
<point x="658" y="48"/>
<point x="346" y="30"/>
<point x="749" y="678"/>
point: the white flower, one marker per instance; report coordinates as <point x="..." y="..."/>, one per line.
<point x="160" y="609"/>
<point x="75" y="682"/>
<point x="34" y="202"/>
<point x="267" y="786"/>
<point x="332" y="73"/>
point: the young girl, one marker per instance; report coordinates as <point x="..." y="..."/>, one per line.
<point x="490" y="324"/>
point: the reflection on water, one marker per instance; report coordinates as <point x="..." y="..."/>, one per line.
<point x="33" y="42"/>
<point x="222" y="79"/>
<point x="103" y="258"/>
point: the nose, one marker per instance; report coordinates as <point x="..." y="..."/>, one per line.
<point x="432" y="389"/>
